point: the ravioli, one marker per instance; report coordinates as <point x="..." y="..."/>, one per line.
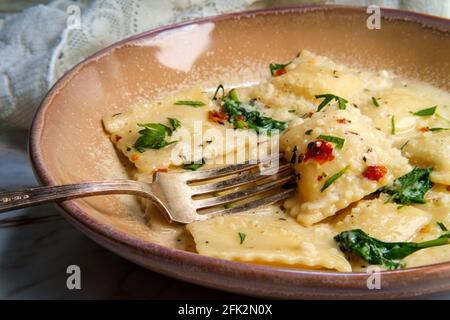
<point x="384" y="221"/>
<point x="431" y="150"/>
<point x="363" y="148"/>
<point x="438" y="204"/>
<point x="269" y="239"/>
<point x="350" y="132"/>
<point x="196" y="139"/>
<point x="310" y="75"/>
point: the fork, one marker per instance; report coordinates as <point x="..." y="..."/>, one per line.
<point x="184" y="197"/>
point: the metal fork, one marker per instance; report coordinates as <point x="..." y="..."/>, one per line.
<point x="184" y="197"/>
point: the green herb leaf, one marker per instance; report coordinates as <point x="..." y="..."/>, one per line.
<point x="389" y="254"/>
<point x="220" y="87"/>
<point x="442" y="226"/>
<point x="291" y="111"/>
<point x="392" y="125"/>
<point x="308" y="132"/>
<point x="342" y="103"/>
<point x="404" y="145"/>
<point x="411" y="188"/>
<point x="248" y="115"/>
<point x="174" y="123"/>
<point x="425" y="112"/>
<point x="333" y="178"/>
<point x="339" y="142"/>
<point x="153" y="136"/>
<point x="193" y="166"/>
<point x="437" y="129"/>
<point x="242" y="237"/>
<point x="191" y="103"/>
<point x="375" y="102"/>
<point x="327" y="98"/>
<point x="274" y="67"/>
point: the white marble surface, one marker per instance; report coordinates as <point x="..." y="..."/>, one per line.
<point x="34" y="256"/>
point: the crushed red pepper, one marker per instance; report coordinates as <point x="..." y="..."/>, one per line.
<point x="342" y="121"/>
<point x="217" y="116"/>
<point x="160" y="170"/>
<point x="118" y="138"/>
<point x="279" y="72"/>
<point x="375" y="173"/>
<point x="320" y="151"/>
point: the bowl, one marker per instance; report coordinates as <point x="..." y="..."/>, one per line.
<point x="68" y="143"/>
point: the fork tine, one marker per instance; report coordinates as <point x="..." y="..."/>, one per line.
<point x="279" y="180"/>
<point x="252" y="204"/>
<point x="234" y="182"/>
<point x="235" y="168"/>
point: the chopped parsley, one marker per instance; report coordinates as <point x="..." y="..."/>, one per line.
<point x="248" y="115"/>
<point x="388" y="254"/>
<point x="219" y="87"/>
<point x="375" y="102"/>
<point x="242" y="237"/>
<point x="437" y="129"/>
<point x="339" y="142"/>
<point x="153" y="136"/>
<point x="425" y="112"/>
<point x="291" y="111"/>
<point x="174" y="123"/>
<point x="191" y="103"/>
<point x="392" y="125"/>
<point x="410" y="188"/>
<point x="442" y="226"/>
<point x="193" y="166"/>
<point x="327" y="98"/>
<point x="404" y="145"/>
<point x="333" y="178"/>
<point x="278" y="68"/>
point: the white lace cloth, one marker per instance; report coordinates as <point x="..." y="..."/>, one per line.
<point x="38" y="45"/>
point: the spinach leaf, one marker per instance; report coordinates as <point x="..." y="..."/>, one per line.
<point x="153" y="136"/>
<point x="389" y="254"/>
<point x="248" y="115"/>
<point x="410" y="188"/>
<point x="193" y="166"/>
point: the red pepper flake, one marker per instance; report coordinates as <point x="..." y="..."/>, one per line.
<point x="319" y="178"/>
<point x="375" y="173"/>
<point x="424" y="129"/>
<point x="279" y="72"/>
<point x="319" y="150"/>
<point x="217" y="116"/>
<point x="160" y="170"/>
<point x="342" y="121"/>
<point x="240" y="117"/>
<point x="118" y="138"/>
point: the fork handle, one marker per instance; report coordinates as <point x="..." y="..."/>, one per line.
<point x="12" y="200"/>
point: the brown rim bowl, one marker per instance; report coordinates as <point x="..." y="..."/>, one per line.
<point x="68" y="144"/>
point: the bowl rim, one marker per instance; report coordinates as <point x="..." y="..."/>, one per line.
<point x="74" y="213"/>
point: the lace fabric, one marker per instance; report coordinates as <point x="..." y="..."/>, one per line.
<point x="108" y="21"/>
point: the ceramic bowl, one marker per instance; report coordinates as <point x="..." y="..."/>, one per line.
<point x="68" y="143"/>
